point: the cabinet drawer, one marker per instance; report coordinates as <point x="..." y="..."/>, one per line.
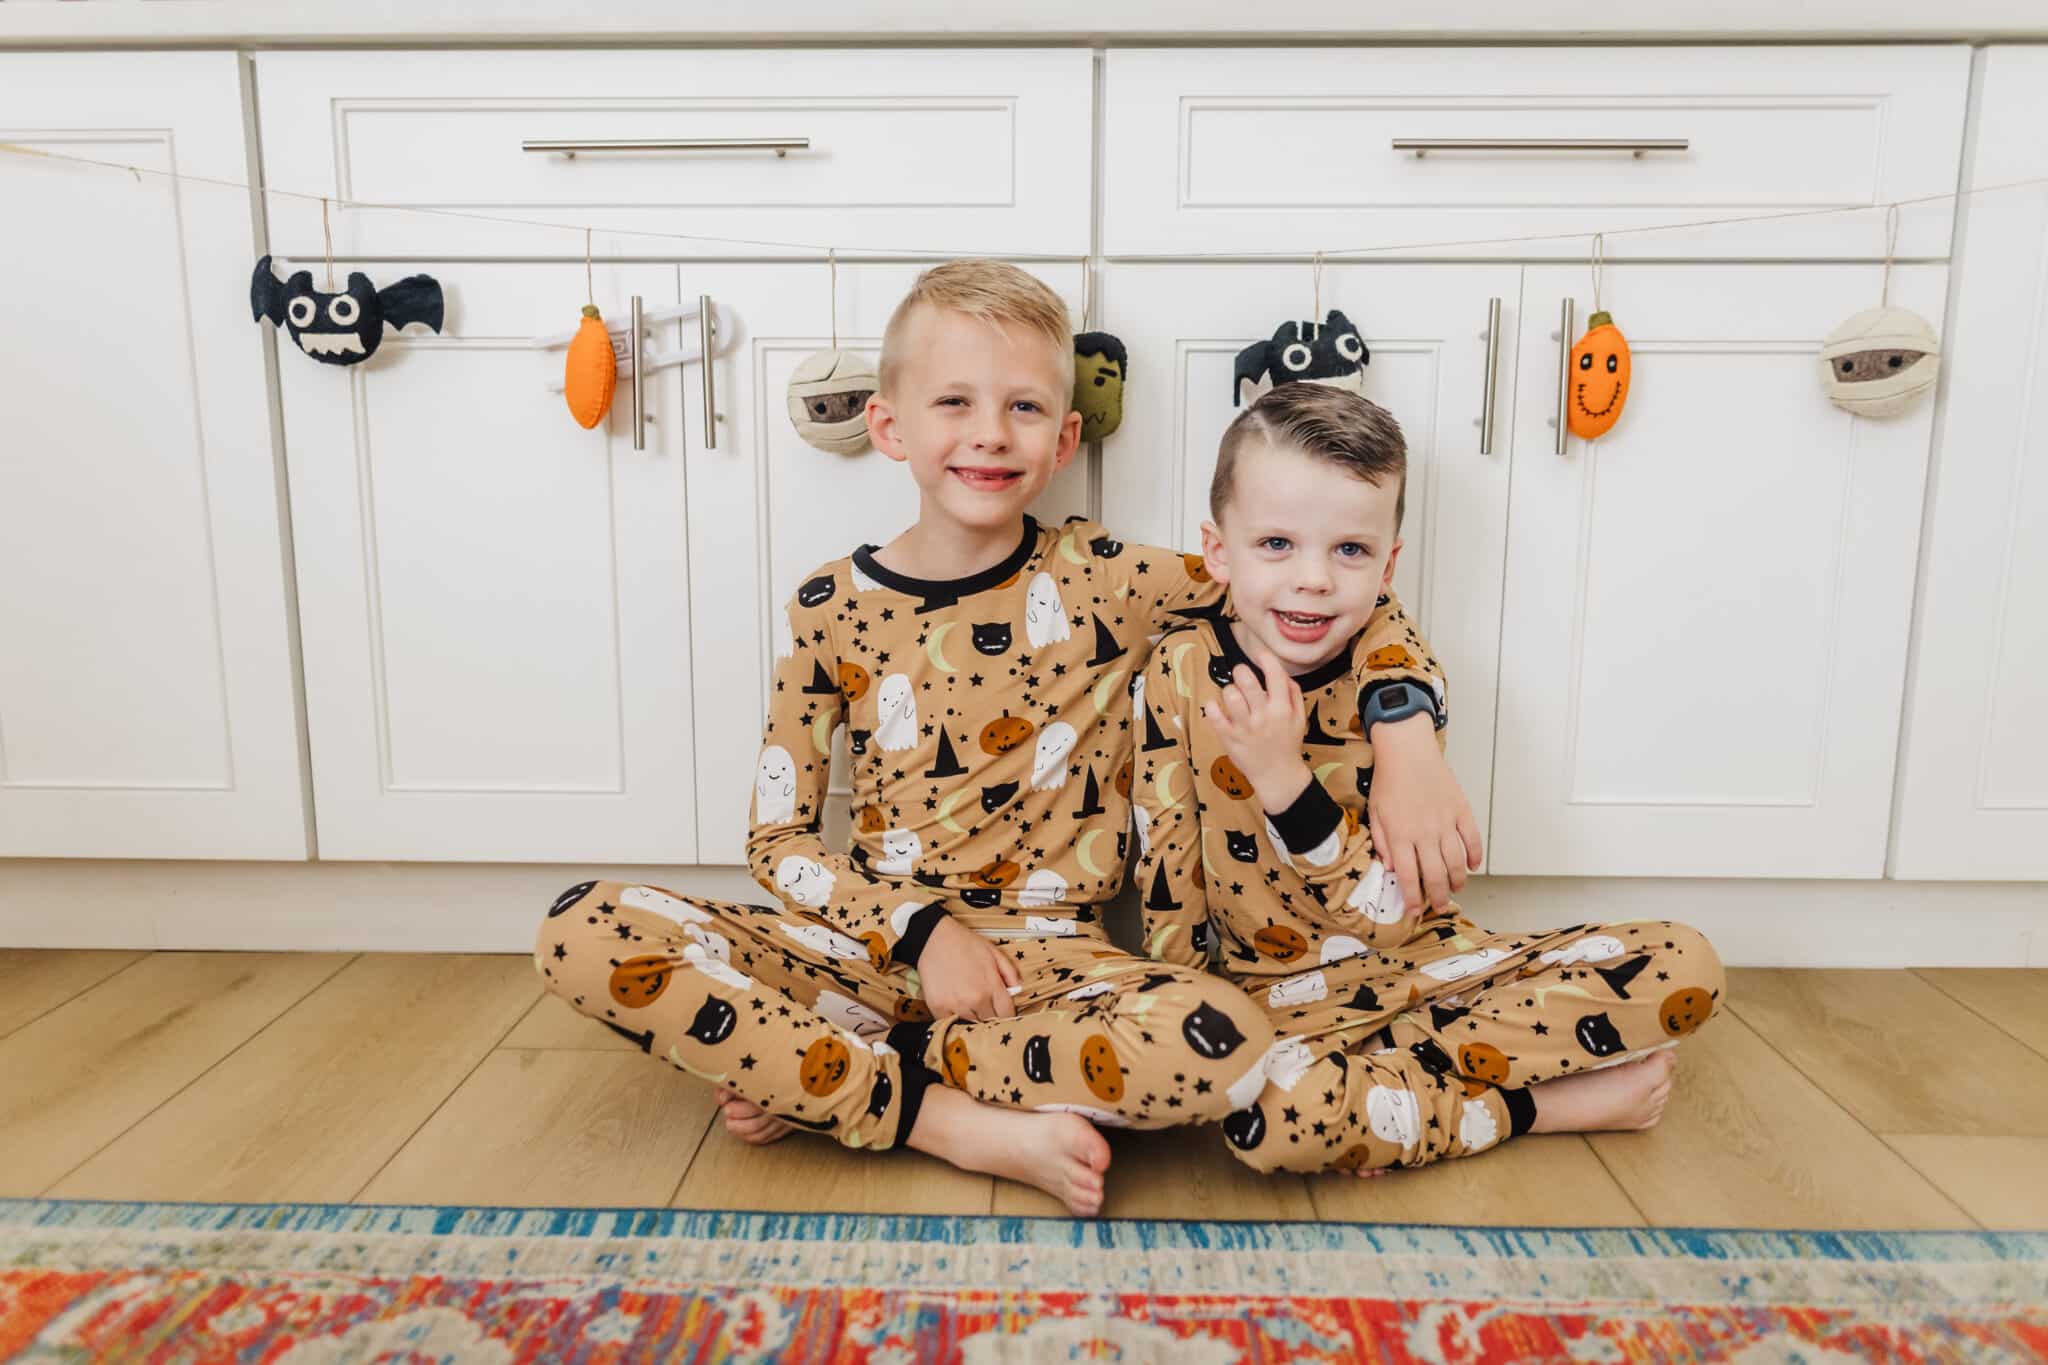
<point x="939" y="152"/>
<point x="1292" y="150"/>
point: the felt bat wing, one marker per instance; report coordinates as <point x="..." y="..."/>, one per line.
<point x="1253" y="362"/>
<point x="267" y="294"/>
<point x="416" y="298"/>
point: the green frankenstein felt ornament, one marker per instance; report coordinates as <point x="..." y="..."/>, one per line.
<point x="1101" y="365"/>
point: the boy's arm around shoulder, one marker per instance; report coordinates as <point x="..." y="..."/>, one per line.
<point x="1162" y="587"/>
<point x="1175" y="905"/>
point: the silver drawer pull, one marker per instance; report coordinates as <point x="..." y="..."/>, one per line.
<point x="1564" y="375"/>
<point x="1634" y="145"/>
<point x="707" y="338"/>
<point x="781" y="146"/>
<point x="1487" y="392"/>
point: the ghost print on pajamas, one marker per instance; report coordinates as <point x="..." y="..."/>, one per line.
<point x="1043" y="887"/>
<point x="1045" y="615"/>
<point x="804" y="880"/>
<point x="820" y="939"/>
<point x="1049" y="764"/>
<point x="896" y="709"/>
<point x="1394" y="1115"/>
<point x="1377" y="896"/>
<point x="775" y="785"/>
<point x="900" y="849"/>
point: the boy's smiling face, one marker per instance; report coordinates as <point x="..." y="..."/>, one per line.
<point x="1307" y="548"/>
<point x="979" y="411"/>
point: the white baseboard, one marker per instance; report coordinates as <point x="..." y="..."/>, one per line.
<point x="464" y="907"/>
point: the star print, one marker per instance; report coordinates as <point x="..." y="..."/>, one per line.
<point x="817" y="637"/>
<point x="746" y="1063"/>
<point x="888" y="614"/>
<point x="883" y="657"/>
<point x="605" y="908"/>
<point x="1142" y="566"/>
<point x="625" y="931"/>
<point x="974" y="680"/>
<point x="1291" y="1114"/>
<point x="560" y="952"/>
<point x="1058" y="670"/>
<point x="1202" y="1087"/>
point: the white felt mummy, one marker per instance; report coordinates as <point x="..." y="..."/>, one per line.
<point x="1880" y="363"/>
<point x="828" y="399"/>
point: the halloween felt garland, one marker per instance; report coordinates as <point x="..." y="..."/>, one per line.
<point x="1302" y="352"/>
<point x="344" y="328"/>
<point x="1883" y="361"/>
<point x="1101" y="366"/>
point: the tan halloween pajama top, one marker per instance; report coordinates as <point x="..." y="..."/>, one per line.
<point x="990" y="727"/>
<point x="1400" y="1041"/>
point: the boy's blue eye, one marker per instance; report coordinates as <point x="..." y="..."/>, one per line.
<point x="1351" y="549"/>
<point x="1027" y="405"/>
<point x="1275" y="543"/>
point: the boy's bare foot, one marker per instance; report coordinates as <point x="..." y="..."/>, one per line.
<point x="1615" y="1099"/>
<point x="1061" y="1154"/>
<point x="749" y="1122"/>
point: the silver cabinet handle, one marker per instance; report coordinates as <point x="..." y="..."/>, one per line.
<point x="781" y="146"/>
<point x="1564" y="373"/>
<point x="1634" y="145"/>
<point x="707" y="331"/>
<point x="633" y="345"/>
<point x="1486" y="394"/>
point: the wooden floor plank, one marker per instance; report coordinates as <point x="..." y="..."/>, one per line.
<point x="1175" y="1173"/>
<point x="553" y="1023"/>
<point x="2002" y="1182"/>
<point x="553" y="1127"/>
<point x="1747" y="1141"/>
<point x="1897" y="1053"/>
<point x="805" y="1173"/>
<point x="80" y="1075"/>
<point x="312" y="1107"/>
<point x="2013" y="998"/>
<point x="1540" y="1180"/>
<point x="35" y="981"/>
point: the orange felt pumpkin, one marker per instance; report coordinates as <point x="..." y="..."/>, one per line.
<point x="1599" y="378"/>
<point x="591" y="371"/>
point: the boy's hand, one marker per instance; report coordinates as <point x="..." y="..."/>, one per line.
<point x="1421" y="823"/>
<point x="1260" y="726"/>
<point x="964" y="974"/>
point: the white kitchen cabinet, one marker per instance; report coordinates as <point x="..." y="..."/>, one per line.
<point x="765" y="508"/>
<point x="1293" y="150"/>
<point x="1704" y="634"/>
<point x="976" y="151"/>
<point x="146" y="691"/>
<point x="494" y="602"/>
<point x="1426" y="328"/>
<point x="1974" y="779"/>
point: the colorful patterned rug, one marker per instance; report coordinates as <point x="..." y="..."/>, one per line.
<point x="304" y="1283"/>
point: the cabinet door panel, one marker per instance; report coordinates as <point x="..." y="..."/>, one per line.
<point x="766" y="509"/>
<point x="1425" y="327"/>
<point x="1975" y="781"/>
<point x="1706" y="609"/>
<point x="494" y="601"/>
<point x="146" y="694"/>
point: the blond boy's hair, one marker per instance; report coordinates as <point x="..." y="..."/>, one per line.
<point x="989" y="291"/>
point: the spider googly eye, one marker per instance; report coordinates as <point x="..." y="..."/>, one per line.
<point x="301" y="312"/>
<point x="344" y="310"/>
<point x="1613" y="363"/>
<point x="1350" y="346"/>
<point x="1296" y="357"/>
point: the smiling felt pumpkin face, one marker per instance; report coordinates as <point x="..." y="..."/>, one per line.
<point x="1004" y="733"/>
<point x="1599" y="378"/>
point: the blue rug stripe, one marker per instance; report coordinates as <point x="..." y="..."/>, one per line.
<point x="18" y="1216"/>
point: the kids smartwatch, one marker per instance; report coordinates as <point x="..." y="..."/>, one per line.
<point x="1395" y="700"/>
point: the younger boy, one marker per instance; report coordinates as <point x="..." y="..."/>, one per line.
<point x="1405" y="1036"/>
<point x="981" y="663"/>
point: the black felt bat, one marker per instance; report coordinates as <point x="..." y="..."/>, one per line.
<point x="345" y="328"/>
<point x="1333" y="353"/>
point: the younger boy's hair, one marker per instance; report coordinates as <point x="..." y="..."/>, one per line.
<point x="1327" y="423"/>
<point x="990" y="291"/>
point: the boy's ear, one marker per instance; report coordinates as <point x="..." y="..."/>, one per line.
<point x="1070" y="437"/>
<point x="1387" y="578"/>
<point x="1213" y="553"/>
<point x="881" y="415"/>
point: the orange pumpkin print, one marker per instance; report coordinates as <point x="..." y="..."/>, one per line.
<point x="853" y="681"/>
<point x="1006" y="732"/>
<point x="1391" y="656"/>
<point x="1198" y="877"/>
<point x="1599" y="378"/>
<point x="878" y="949"/>
<point x="1484" y="1062"/>
<point x="998" y="874"/>
<point x="1229" y="778"/>
<point x="911" y="1010"/>
<point x="1101" y="1070"/>
<point x="1123" y="781"/>
<point x="639" y="981"/>
<point x="1198" y="568"/>
<point x="1354" y="1159"/>
<point x="1280" y="943"/>
<point x="824" y="1066"/>
<point x="871" y="820"/>
<point x="958" y="1064"/>
<point x="1683" y="1011"/>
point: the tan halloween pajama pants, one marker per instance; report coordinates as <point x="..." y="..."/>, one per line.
<point x="1438" y="1048"/>
<point x="799" y="1019"/>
